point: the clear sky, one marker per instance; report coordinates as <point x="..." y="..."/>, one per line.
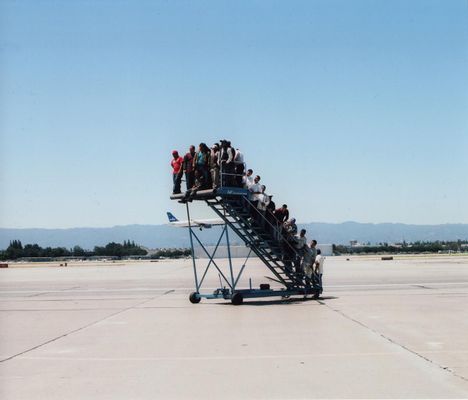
<point x="349" y="110"/>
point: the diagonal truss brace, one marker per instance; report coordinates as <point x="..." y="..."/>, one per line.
<point x="234" y="279"/>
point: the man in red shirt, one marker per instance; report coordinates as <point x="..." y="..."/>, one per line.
<point x="282" y="214"/>
<point x="177" y="171"/>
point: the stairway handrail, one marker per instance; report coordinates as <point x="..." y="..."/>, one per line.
<point x="282" y="238"/>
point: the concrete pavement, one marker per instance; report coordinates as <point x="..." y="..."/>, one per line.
<point x="383" y="329"/>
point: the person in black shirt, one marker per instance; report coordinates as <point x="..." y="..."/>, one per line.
<point x="281" y="215"/>
<point x="226" y="163"/>
<point x="270" y="226"/>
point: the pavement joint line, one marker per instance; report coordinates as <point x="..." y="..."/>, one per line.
<point x="58" y="309"/>
<point x="210" y="358"/>
<point x="245" y="357"/>
<point x="83" y="327"/>
<point x="101" y="290"/>
<point x="65" y="300"/>
<point x="416" y="353"/>
<point x="363" y="292"/>
<point x="36" y="294"/>
<point x="423" y="287"/>
<point x="409" y="284"/>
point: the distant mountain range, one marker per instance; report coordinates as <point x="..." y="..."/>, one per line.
<point x="154" y="236"/>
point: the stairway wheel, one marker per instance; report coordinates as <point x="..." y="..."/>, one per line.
<point x="237" y="299"/>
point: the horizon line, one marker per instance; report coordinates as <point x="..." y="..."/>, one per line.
<point x="299" y="223"/>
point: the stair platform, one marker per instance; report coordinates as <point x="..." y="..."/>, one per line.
<point x="213" y="193"/>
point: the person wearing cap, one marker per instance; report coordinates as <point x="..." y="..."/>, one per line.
<point x="226" y="162"/>
<point x="177" y="170"/>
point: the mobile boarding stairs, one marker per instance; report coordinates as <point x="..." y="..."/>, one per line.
<point x="260" y="235"/>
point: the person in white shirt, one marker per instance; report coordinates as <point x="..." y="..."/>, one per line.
<point x="263" y="201"/>
<point x="299" y="242"/>
<point x="255" y="190"/>
<point x="248" y="179"/>
<point x="239" y="167"/>
<point x="319" y="261"/>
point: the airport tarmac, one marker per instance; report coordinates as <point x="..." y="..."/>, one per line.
<point x="126" y="330"/>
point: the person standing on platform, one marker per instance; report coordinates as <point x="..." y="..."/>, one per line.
<point x="226" y="163"/>
<point x="214" y="166"/>
<point x="177" y="171"/>
<point x="202" y="164"/>
<point x="188" y="167"/>
<point x="197" y="185"/>
<point x="239" y="167"/>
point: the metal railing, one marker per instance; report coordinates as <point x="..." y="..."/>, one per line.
<point x="230" y="177"/>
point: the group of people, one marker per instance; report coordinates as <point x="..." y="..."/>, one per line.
<point x="306" y="259"/>
<point x="208" y="168"/>
<point x="222" y="165"/>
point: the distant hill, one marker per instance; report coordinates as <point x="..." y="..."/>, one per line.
<point x="151" y="236"/>
<point x="386" y="232"/>
<point x="154" y="236"/>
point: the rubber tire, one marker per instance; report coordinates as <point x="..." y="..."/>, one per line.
<point x="194" y="298"/>
<point x="237" y="299"/>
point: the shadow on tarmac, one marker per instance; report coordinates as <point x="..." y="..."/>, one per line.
<point x="281" y="302"/>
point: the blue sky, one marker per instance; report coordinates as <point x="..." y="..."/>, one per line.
<point x="349" y="110"/>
